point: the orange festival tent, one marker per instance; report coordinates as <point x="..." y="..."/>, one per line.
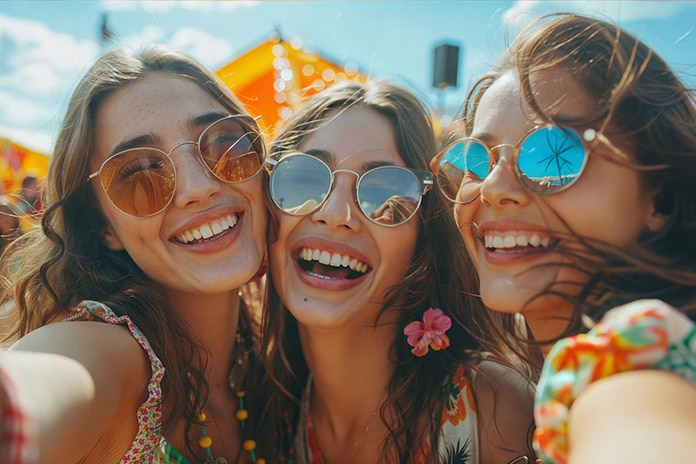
<point x="274" y="78"/>
<point x="16" y="162"/>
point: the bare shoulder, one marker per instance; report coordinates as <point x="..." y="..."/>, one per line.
<point x="108" y="352"/>
<point x="78" y="381"/>
<point x="505" y="406"/>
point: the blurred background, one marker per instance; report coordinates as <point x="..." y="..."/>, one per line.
<point x="273" y="54"/>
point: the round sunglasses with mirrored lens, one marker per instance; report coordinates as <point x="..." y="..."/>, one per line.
<point x="387" y="195"/>
<point x="547" y="160"/>
<point x="141" y="181"/>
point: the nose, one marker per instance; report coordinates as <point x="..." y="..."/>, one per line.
<point x="501" y="187"/>
<point x="340" y="211"/>
<point x="194" y="183"/>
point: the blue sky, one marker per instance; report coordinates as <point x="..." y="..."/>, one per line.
<point x="45" y="46"/>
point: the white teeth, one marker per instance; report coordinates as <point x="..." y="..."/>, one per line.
<point x="325" y="257"/>
<point x="335" y="259"/>
<point x="208" y="230"/>
<point x="516" y="239"/>
<point x="217" y="227"/>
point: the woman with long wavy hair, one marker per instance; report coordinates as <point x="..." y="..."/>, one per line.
<point x="378" y="350"/>
<point x="134" y="340"/>
<point x="573" y="185"/>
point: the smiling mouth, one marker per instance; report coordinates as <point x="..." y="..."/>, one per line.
<point x="208" y="231"/>
<point x="517" y="241"/>
<point x="326" y="265"/>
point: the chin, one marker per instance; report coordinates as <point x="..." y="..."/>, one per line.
<point x="503" y="305"/>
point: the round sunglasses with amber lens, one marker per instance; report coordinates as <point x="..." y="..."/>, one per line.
<point x="141" y="181"/>
<point x="387" y="195"/>
<point x="547" y="160"/>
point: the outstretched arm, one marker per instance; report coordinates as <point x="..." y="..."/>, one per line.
<point x="643" y="416"/>
<point x="72" y="382"/>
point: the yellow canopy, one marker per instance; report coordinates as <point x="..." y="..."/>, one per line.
<point x="275" y="77"/>
<point x="16" y="162"/>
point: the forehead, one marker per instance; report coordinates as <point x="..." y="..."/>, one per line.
<point x="159" y="105"/>
<point x="356" y="134"/>
<point x="558" y="94"/>
<point x="159" y="96"/>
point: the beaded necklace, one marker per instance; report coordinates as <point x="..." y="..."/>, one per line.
<point x="236" y="379"/>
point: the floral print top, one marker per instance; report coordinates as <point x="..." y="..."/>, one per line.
<point x="645" y="334"/>
<point x="459" y="441"/>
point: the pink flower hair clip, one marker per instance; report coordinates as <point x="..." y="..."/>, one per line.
<point x="430" y="333"/>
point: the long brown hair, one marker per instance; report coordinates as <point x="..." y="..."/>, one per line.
<point x="440" y="275"/>
<point x="651" y="115"/>
<point x="65" y="261"/>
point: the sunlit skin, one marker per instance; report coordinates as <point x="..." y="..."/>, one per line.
<point x="200" y="278"/>
<point x="160" y="109"/>
<point x="607" y="203"/>
<point x="354" y="140"/>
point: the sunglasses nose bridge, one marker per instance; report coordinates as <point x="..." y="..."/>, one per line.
<point x="333" y="179"/>
<point x="498" y="148"/>
<point x="181" y="144"/>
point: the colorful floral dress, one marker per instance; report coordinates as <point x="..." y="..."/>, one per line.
<point x="646" y="334"/>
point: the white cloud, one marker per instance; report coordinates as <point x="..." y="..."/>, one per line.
<point x="212" y="51"/>
<point x="160" y="6"/>
<point x="37" y="60"/>
<point x="148" y="35"/>
<point x="522" y="11"/>
<point x="39" y="68"/>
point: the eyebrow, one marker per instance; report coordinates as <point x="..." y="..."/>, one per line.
<point x="150" y="139"/>
<point x="329" y="158"/>
<point x="486" y="138"/>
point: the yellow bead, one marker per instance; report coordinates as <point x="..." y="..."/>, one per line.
<point x="242" y="414"/>
<point x="205" y="442"/>
<point x="260" y="461"/>
<point x="249" y="445"/>
<point x="202" y="417"/>
<point x="240" y="393"/>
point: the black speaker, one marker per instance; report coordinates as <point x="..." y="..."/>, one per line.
<point x="445" y="66"/>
